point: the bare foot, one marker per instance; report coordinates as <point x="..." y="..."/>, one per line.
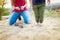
<point x="39" y="24"/>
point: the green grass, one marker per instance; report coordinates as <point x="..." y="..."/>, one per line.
<point x="52" y="13"/>
<point x="4" y="12"/>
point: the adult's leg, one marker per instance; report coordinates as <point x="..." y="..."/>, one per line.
<point x="41" y="12"/>
<point x="14" y="17"/>
<point x="36" y="11"/>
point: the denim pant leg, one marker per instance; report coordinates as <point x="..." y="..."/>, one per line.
<point x="13" y="17"/>
<point x="26" y="17"/>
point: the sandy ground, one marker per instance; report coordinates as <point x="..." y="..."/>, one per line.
<point x="50" y="30"/>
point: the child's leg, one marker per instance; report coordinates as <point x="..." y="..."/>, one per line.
<point x="13" y="17"/>
<point x="19" y="18"/>
<point x="26" y="17"/>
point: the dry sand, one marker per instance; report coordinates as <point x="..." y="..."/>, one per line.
<point x="50" y="30"/>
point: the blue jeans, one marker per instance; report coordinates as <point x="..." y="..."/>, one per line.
<point x="15" y="16"/>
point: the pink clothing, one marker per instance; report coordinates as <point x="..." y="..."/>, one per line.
<point x="18" y="3"/>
